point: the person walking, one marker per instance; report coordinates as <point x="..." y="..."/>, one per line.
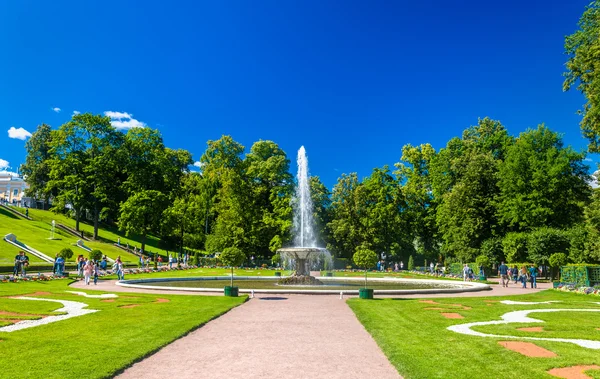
<point x="533" y="273"/>
<point x="465" y="272"/>
<point x="60" y="266"/>
<point x="503" y="273"/>
<point x="96" y="272"/>
<point x="159" y="260"/>
<point x="88" y="269"/>
<point x="523" y="276"/>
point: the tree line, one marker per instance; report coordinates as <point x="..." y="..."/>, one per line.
<point x="486" y="193"/>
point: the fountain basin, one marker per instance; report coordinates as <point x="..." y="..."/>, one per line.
<point x="332" y="285"/>
<point x="301" y="252"/>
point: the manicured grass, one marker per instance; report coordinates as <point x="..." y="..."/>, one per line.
<point x="106" y="234"/>
<point x="100" y="344"/>
<point x="36" y="233"/>
<point x="418" y="344"/>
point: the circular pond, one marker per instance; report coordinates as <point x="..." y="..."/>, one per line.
<point x="331" y="285"/>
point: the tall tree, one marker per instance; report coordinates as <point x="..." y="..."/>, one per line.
<point x="142" y="213"/>
<point x="542" y="183"/>
<point x="36" y="168"/>
<point x="321" y="199"/>
<point x="414" y="173"/>
<point x="345" y="210"/>
<point x="84" y="153"/>
<point x="583" y="70"/>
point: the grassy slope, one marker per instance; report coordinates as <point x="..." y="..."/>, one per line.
<point x="427" y="349"/>
<point x="107" y="234"/>
<point x="100" y="344"/>
<point x="36" y="233"/>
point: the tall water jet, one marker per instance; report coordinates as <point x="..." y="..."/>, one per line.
<point x="305" y="254"/>
<point x="303" y="206"/>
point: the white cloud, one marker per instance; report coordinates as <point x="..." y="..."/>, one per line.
<point x="124" y="120"/>
<point x="20" y="133"/>
<point x="3" y="164"/>
<point x="198" y="164"/>
<point x="56" y="109"/>
<point x="75" y="113"/>
<point x="588" y="160"/>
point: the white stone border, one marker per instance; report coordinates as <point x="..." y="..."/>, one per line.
<point x="522" y="317"/>
<point x="72" y="308"/>
<point x="451" y="286"/>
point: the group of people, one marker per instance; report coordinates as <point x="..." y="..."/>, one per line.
<point x="21" y="264"/>
<point x="89" y="268"/>
<point x="522" y="275"/>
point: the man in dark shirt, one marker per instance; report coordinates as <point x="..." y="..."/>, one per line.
<point x="503" y="273"/>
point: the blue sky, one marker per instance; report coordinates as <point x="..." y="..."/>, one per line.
<point x="352" y="81"/>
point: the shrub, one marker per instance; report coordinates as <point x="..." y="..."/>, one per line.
<point x="366" y="259"/>
<point x="66" y="253"/>
<point x="482" y="260"/>
<point x="411" y="263"/>
<point x="232" y="256"/>
<point x="275" y="259"/>
<point x="95" y="255"/>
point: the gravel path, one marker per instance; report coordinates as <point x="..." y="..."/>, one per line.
<point x="292" y="336"/>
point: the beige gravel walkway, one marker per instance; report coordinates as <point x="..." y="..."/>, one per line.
<point x="291" y="336"/>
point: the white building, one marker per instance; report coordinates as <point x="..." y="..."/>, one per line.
<point x="12" y="187"/>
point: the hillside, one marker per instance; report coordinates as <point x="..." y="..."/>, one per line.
<point x="36" y="233"/>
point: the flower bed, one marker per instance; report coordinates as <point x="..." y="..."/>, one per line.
<point x="569" y="287"/>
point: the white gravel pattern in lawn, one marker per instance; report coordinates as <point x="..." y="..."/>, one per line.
<point x="72" y="308"/>
<point x="522" y="317"/>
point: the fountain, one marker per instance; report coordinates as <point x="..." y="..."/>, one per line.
<point x="305" y="253"/>
<point x="304" y="256"/>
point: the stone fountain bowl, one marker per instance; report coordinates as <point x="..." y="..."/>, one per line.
<point x="300" y="252"/>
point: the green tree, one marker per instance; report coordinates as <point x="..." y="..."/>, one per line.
<point x="142" y="213"/>
<point x="66" y="253"/>
<point x="542" y="183"/>
<point x="583" y="71"/>
<point x="345" y="209"/>
<point x="95" y="255"/>
<point x="232" y="257"/>
<point x="557" y="260"/>
<point x="36" y="168"/>
<point x="411" y="263"/>
<point x="83" y="165"/>
<point x="592" y="227"/>
<point x="321" y="199"/>
<point x="365" y="258"/>
<point x="414" y="172"/>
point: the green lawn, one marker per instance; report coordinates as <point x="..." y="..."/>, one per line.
<point x="107" y="234"/>
<point x="36" y="233"/>
<point x="100" y="344"/>
<point x="417" y="343"/>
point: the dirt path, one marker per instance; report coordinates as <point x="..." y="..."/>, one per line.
<point x="290" y="336"/>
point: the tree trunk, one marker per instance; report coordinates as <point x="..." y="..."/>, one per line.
<point x="96" y="217"/>
<point x="143" y="243"/>
<point x="77" y="215"/>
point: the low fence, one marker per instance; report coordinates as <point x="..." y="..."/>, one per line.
<point x="582" y="275"/>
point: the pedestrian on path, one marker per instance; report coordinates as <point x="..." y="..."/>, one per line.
<point x="533" y="273"/>
<point x="88" y="269"/>
<point x="96" y="272"/>
<point x="503" y="273"/>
